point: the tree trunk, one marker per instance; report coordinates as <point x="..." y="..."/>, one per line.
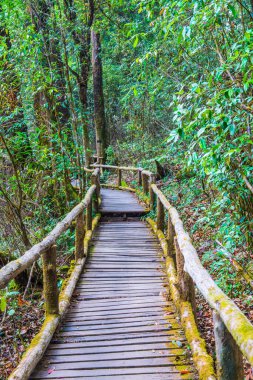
<point x="99" y="109"/>
<point x="81" y="37"/>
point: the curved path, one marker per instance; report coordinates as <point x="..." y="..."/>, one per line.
<point x="121" y="324"/>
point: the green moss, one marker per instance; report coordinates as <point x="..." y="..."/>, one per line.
<point x="36" y="340"/>
<point x="203" y="361"/>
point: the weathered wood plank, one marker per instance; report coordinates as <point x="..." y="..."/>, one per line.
<point x="160" y="376"/>
<point x="94" y="373"/>
<point x="121" y="324"/>
<point x="168" y="349"/>
<point x="140" y="341"/>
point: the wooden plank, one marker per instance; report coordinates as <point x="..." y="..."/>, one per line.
<point x="143" y="310"/>
<point x="147" y="376"/>
<point x="121" y="364"/>
<point x="118" y="322"/>
<point x="120" y="304"/>
<point x="122" y="334"/>
<point x="77" y="330"/>
<point x="121" y="324"/>
<point x="167" y="348"/>
<point x="139" y="354"/>
<point x="109" y="317"/>
<point x="143" y="298"/>
<point x="104" y="370"/>
<point x="153" y="376"/>
<point x="139" y="340"/>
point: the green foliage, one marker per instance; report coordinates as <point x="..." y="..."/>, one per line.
<point x="9" y="300"/>
<point x="178" y="89"/>
<point x="178" y="79"/>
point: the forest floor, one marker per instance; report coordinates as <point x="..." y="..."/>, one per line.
<point x="24" y="318"/>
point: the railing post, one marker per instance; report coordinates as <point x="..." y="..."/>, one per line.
<point x="89" y="216"/>
<point x="160" y="215"/>
<point x="51" y="293"/>
<point x="139" y="177"/>
<point x="151" y="192"/>
<point x="95" y="181"/>
<point x="229" y="360"/>
<point x="98" y="185"/>
<point x="144" y="183"/>
<point x="119" y="177"/>
<point x="79" y="236"/>
<point x="170" y="236"/>
<point x="185" y="282"/>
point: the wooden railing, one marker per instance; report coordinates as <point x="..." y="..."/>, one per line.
<point x="55" y="303"/>
<point x="232" y="330"/>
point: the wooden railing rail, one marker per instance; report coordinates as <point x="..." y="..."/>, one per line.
<point x="232" y="330"/>
<point x="55" y="303"/>
<point x="15" y="267"/>
<point x="119" y="170"/>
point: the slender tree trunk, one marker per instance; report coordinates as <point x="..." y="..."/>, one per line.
<point x="99" y="109"/>
<point x="81" y="38"/>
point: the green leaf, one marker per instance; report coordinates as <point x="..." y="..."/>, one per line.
<point x="3" y="304"/>
<point x="11" y="312"/>
<point x="136" y="41"/>
<point x="135" y="92"/>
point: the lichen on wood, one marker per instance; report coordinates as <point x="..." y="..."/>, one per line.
<point x="15" y="267"/>
<point x="38" y="346"/>
<point x="229" y="360"/>
<point x="202" y="360"/>
<point x="236" y="322"/>
<point x="50" y="289"/>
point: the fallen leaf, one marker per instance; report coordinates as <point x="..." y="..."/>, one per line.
<point x="50" y="370"/>
<point x="22" y="302"/>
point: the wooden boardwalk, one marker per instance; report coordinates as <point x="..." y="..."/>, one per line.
<point x="121" y="324"/>
<point x="120" y="202"/>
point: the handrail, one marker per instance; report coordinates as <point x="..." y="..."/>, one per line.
<point x="233" y="331"/>
<point x="15" y="267"/>
<point x="127" y="168"/>
<point x="182" y="256"/>
<point x="236" y="322"/>
<point x="55" y="304"/>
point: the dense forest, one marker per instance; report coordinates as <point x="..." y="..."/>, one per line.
<point x="165" y="85"/>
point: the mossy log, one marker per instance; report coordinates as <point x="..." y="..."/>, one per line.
<point x="202" y="360"/>
<point x="11" y="270"/>
<point x="38" y="346"/>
